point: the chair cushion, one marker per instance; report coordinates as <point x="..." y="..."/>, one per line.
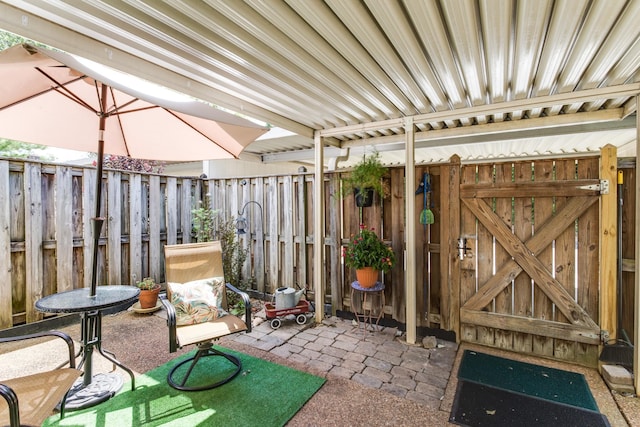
<point x="198" y="301"/>
<point x="208" y="331"/>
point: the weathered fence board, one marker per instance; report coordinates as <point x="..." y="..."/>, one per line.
<point x="114" y="227"/>
<point x="135" y="228"/>
<point x="64" y="229"/>
<point x="543" y="171"/>
<point x="88" y="212"/>
<point x="6" y="269"/>
<point x="503" y="301"/>
<point x="33" y="239"/>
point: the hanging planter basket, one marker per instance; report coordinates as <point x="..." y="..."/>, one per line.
<point x="364" y="198"/>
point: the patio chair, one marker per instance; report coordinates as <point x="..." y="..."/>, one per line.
<point x="187" y="265"/>
<point x="30" y="399"/>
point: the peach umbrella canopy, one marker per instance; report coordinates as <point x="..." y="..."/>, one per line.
<point x="52" y="98"/>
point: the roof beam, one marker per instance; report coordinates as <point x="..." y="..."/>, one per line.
<point x="498" y="108"/>
<point x="597" y="121"/>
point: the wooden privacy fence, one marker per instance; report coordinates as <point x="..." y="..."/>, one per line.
<point x="45" y="239"/>
<point x="46" y="234"/>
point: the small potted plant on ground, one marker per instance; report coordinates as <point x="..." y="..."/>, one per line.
<point x="366" y="179"/>
<point x="149" y="291"/>
<point x="369" y="255"/>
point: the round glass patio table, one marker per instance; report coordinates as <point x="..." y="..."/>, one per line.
<point x="92" y="389"/>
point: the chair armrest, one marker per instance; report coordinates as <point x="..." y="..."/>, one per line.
<point x="247" y="304"/>
<point x="171" y="323"/>
<point x="55" y="334"/>
<point x="12" y="402"/>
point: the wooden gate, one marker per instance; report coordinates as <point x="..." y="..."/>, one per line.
<point x="529" y="255"/>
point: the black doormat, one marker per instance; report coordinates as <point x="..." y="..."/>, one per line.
<point x="552" y="384"/>
<point x="478" y="405"/>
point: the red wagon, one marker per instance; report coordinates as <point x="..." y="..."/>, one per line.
<point x="275" y="315"/>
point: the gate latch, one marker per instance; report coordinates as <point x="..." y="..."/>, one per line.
<point x="603" y="187"/>
<point x="463" y="249"/>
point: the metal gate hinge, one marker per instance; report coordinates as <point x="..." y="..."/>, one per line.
<point x="603" y="187"/>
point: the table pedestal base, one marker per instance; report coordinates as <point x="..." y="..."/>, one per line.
<point x="102" y="388"/>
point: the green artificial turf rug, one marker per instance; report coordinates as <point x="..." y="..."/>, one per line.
<point x="263" y="394"/>
<point x="497" y="391"/>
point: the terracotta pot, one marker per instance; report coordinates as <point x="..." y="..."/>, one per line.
<point x="367" y="277"/>
<point x="149" y="297"/>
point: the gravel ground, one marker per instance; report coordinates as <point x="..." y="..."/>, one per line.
<point x="140" y="342"/>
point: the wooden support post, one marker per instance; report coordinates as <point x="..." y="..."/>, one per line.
<point x="608" y="241"/>
<point x="318" y="229"/>
<point x="410" y="202"/>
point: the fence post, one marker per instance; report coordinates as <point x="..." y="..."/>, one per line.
<point x="608" y="241"/>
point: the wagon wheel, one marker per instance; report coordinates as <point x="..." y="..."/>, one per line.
<point x="275" y="323"/>
<point x="301" y="319"/>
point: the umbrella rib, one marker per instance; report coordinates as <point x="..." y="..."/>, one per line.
<point x="64" y="91"/>
<point x="198" y="131"/>
<point x="117" y="116"/>
<point x="117" y="109"/>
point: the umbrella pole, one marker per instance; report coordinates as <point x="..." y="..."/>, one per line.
<point x="98" y="220"/>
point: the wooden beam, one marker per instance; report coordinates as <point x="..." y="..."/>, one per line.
<point x="528" y="325"/>
<point x="609" y="242"/>
<point x="579" y="187"/>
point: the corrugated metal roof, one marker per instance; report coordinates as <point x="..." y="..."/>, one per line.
<point x="483" y="79"/>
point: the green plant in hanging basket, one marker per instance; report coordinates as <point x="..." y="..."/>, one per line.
<point x="366" y="174"/>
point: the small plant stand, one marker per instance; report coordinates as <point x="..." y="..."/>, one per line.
<point x="367" y="305"/>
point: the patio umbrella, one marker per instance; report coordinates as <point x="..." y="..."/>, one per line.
<point x="56" y="99"/>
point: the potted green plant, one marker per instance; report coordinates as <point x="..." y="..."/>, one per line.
<point x="369" y="255"/>
<point x="365" y="179"/>
<point x="149" y="291"/>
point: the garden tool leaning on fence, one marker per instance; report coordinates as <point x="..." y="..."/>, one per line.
<point x="424" y="188"/>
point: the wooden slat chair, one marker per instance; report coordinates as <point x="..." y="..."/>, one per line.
<point x="29" y="400"/>
<point x="186" y="263"/>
